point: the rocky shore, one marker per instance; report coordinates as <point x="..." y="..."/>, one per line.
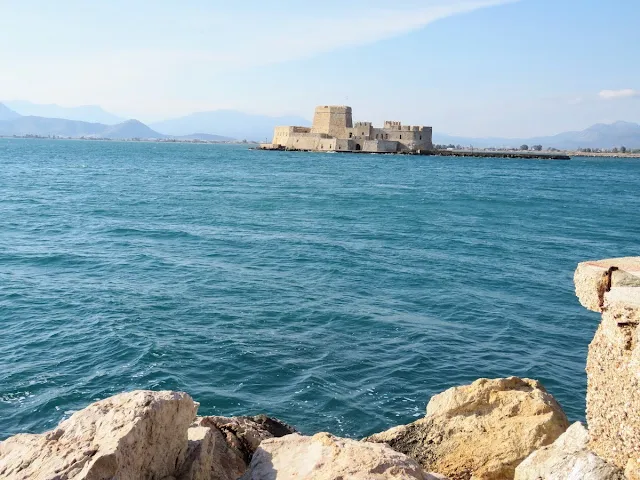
<point x="490" y="430"/>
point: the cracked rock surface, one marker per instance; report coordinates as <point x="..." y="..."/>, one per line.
<point x="612" y="287"/>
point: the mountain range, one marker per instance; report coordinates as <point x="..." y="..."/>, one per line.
<point x="26" y="118"/>
<point x="12" y="123"/>
<point x="84" y="113"/>
<point x="597" y="136"/>
<point x="230" y="123"/>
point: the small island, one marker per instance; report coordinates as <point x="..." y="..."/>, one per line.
<point x="333" y="130"/>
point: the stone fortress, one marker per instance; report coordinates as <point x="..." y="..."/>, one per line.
<point x="333" y="130"/>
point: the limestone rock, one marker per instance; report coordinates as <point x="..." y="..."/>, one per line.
<point x="325" y="457"/>
<point x="481" y="431"/>
<point x="593" y="279"/>
<point x="568" y="458"/>
<point x="136" y="435"/>
<point x="221" y="448"/>
<point x="613" y="362"/>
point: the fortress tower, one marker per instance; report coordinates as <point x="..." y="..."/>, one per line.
<point x="332" y="120"/>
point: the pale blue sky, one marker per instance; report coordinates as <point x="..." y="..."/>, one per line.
<point x="468" y="67"/>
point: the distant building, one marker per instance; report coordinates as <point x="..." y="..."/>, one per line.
<point x="333" y="130"/>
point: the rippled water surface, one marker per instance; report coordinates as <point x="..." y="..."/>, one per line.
<point x="338" y="292"/>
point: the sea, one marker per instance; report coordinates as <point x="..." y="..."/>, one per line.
<point x="337" y="292"/>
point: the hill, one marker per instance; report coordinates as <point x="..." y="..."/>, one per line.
<point x="228" y="123"/>
<point x="7" y="114"/>
<point x="30" y="125"/>
<point x="41" y="126"/>
<point x="12" y="123"/>
<point x="597" y="136"/>
<point x="130" y="129"/>
<point x="84" y="113"/>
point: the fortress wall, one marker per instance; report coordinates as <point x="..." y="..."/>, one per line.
<point x="345" y="144"/>
<point x="361" y="130"/>
<point x="304" y="142"/>
<point x="326" y="145"/>
<point x="404" y="139"/>
<point x="281" y="135"/>
<point x="311" y="141"/>
<point x="397" y="135"/>
<point x="380" y="146"/>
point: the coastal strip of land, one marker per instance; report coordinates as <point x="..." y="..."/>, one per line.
<point x="505" y="154"/>
<point x="443" y="153"/>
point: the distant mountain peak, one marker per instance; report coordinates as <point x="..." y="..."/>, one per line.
<point x="82" y="113"/>
<point x="600" y="135"/>
<point x="7" y="114"/>
<point x="622" y="122"/>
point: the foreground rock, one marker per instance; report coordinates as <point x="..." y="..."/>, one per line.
<point x="134" y="435"/>
<point x="568" y="458"/>
<point x="325" y="457"/>
<point x="480" y="431"/>
<point x="139" y="435"/>
<point x="612" y="287"/>
<point x="221" y="448"/>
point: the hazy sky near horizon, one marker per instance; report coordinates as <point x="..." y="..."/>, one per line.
<point x="467" y="67"/>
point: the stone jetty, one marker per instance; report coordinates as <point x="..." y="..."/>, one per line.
<point x="493" y="429"/>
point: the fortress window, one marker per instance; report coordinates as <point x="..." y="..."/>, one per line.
<point x="350" y="134"/>
<point x="400" y="137"/>
<point x="420" y="137"/>
<point x="387" y="135"/>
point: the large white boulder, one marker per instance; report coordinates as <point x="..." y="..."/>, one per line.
<point x="480" y="431"/>
<point x="136" y="435"/>
<point x="568" y="458"/>
<point x="325" y="457"/>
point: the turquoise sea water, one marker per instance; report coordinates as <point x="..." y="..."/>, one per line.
<point x="338" y="292"/>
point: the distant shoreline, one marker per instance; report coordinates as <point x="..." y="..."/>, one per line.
<point x="611" y="155"/>
<point x="464" y="152"/>
<point x="131" y="140"/>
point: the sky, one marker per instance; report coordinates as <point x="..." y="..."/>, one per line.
<point x="505" y="68"/>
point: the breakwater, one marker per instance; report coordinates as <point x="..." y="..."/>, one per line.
<point x="441" y="153"/>
<point x="514" y="155"/>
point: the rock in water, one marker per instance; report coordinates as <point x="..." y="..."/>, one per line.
<point x="481" y="431"/>
<point x="325" y="457"/>
<point x="221" y="448"/>
<point x="136" y="435"/>
<point x="568" y="458"/>
<point x="613" y="364"/>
